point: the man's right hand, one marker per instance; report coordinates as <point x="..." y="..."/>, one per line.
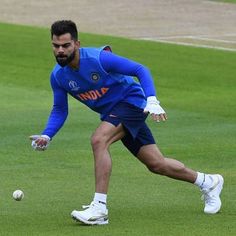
<point x="40" y="142"/>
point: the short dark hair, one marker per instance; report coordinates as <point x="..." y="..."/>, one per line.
<point x="64" y="26"/>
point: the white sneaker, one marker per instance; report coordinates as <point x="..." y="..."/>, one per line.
<point x="211" y="196"/>
<point x="93" y="215"/>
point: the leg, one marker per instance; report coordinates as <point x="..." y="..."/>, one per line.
<point x="97" y="213"/>
<point x="151" y="156"/>
<point x="211" y="186"/>
<point x="145" y="149"/>
<point x="102" y="138"/>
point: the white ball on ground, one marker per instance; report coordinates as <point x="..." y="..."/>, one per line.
<point x="18" y="195"/>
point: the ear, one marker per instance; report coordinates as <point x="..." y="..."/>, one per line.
<point x="77" y="44"/>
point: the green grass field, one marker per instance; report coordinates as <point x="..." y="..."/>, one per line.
<point x="229" y="1"/>
<point x="197" y="89"/>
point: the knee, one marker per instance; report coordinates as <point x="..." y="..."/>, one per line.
<point x="97" y="141"/>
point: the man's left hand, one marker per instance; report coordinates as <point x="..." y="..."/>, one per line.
<point x="156" y="111"/>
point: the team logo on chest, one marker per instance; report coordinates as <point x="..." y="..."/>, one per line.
<point x="73" y="85"/>
<point x="95" y="77"/>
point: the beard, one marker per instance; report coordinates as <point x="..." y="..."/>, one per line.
<point x="65" y="60"/>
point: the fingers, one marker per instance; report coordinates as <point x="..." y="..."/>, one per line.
<point x="41" y="148"/>
<point x="160" y="117"/>
<point x="163" y="116"/>
<point x="37" y="147"/>
<point x="34" y="137"/>
<point x="40" y="144"/>
<point x="38" y="140"/>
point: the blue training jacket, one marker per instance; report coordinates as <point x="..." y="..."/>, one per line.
<point x="92" y="85"/>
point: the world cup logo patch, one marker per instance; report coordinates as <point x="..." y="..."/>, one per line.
<point x="95" y="77"/>
<point x="73" y="85"/>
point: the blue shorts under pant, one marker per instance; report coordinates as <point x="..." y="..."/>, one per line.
<point x="133" y="120"/>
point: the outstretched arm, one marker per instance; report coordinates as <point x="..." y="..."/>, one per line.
<point x="117" y="64"/>
<point x="59" y="111"/>
<point x="56" y="119"/>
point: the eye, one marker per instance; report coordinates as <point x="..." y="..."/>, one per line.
<point x="55" y="45"/>
<point x="66" y="45"/>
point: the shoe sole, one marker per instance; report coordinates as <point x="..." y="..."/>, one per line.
<point x="220" y="185"/>
<point x="97" y="222"/>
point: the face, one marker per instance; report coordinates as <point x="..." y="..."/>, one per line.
<point x="64" y="48"/>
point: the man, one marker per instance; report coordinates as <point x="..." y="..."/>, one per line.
<point x="104" y="82"/>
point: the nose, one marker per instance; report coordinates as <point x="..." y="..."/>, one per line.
<point x="60" y="49"/>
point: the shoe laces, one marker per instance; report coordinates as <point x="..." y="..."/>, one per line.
<point x="208" y="193"/>
<point x="88" y="206"/>
<point x="208" y="196"/>
<point x="93" y="208"/>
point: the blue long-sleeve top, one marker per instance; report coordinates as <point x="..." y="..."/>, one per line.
<point x="101" y="80"/>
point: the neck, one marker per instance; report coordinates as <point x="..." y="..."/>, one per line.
<point x="75" y="62"/>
